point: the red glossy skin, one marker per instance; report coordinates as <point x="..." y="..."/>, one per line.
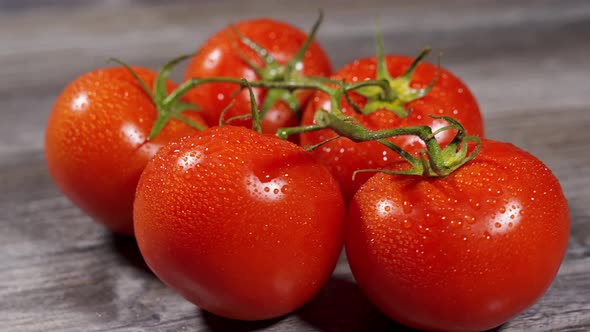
<point x="217" y="57"/>
<point x="246" y="226"/>
<point x="95" y="142"/>
<point x="449" y="96"/>
<point x="462" y="253"/>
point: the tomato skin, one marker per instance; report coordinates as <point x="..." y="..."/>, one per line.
<point x="462" y="253"/>
<point x="95" y="142"/>
<point x="217" y="57"/>
<point x="244" y="225"/>
<point x="449" y="97"/>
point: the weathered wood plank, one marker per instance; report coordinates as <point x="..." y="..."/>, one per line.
<point x="513" y="56"/>
<point x="58" y="265"/>
<point x="526" y="62"/>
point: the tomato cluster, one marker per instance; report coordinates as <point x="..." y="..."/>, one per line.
<point x="443" y="231"/>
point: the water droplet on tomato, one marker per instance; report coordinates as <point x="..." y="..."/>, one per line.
<point x="406" y="207"/>
<point x="474" y="204"/>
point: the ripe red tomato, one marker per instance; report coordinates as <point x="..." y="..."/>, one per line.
<point x="218" y="57"/>
<point x="95" y="142"/>
<point x="466" y="252"/>
<point x="244" y="225"/>
<point x="448" y="97"/>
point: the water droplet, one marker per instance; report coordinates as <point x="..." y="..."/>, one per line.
<point x="407" y="207"/>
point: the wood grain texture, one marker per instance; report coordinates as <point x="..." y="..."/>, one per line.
<point x="526" y="61"/>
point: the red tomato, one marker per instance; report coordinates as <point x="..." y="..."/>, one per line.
<point x="244" y="225"/>
<point x="218" y="57"/>
<point x="449" y="97"/>
<point x="466" y="252"/>
<point x="95" y="142"/>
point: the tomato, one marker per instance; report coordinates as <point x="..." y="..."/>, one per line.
<point x="95" y="142"/>
<point x="448" y="97"/>
<point x="218" y="57"/>
<point x="244" y="225"/>
<point x="464" y="252"/>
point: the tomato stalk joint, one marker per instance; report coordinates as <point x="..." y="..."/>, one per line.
<point x="272" y="71"/>
<point x="167" y="108"/>
<point x="399" y="91"/>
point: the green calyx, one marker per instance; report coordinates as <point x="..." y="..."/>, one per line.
<point x="434" y="161"/>
<point x="283" y="82"/>
<point x="167" y="108"/>
<point x="274" y="72"/>
<point x="399" y="92"/>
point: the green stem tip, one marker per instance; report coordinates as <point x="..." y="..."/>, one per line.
<point x="168" y="106"/>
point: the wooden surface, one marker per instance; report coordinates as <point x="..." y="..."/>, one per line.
<point x="528" y="63"/>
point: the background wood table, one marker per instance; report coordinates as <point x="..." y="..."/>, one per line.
<point x="527" y="63"/>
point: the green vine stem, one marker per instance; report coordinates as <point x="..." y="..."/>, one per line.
<point x="283" y="81"/>
<point x="439" y="162"/>
<point x="272" y="71"/>
<point x="435" y="161"/>
<point x="167" y="108"/>
<point x="399" y="92"/>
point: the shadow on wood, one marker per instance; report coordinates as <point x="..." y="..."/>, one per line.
<point x="126" y="247"/>
<point x="341" y="306"/>
<point x="217" y="323"/>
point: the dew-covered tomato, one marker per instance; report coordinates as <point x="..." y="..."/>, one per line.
<point x="96" y="141"/>
<point x="448" y="97"/>
<point x="244" y="225"/>
<point x="465" y="252"/>
<point x="218" y="57"/>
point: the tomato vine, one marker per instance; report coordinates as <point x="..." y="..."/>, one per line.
<point x="385" y="92"/>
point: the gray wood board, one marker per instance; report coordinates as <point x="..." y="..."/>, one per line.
<point x="526" y="61"/>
